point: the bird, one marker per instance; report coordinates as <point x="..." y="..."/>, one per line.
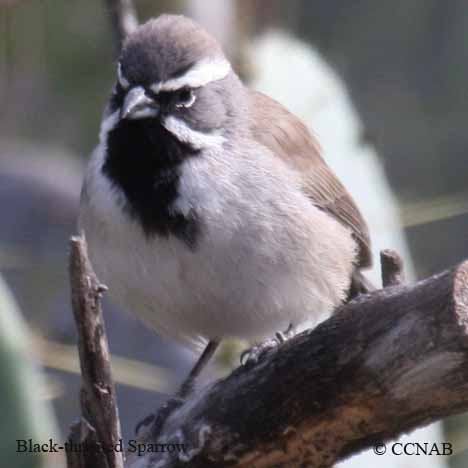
<point x="207" y="207"/>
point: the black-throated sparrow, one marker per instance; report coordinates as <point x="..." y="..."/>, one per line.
<point x="207" y="207"/>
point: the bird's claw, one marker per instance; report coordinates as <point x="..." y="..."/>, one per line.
<point x="281" y="337"/>
<point x="255" y="353"/>
<point x="252" y="355"/>
<point x="157" y="420"/>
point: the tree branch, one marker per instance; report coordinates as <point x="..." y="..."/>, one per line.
<point x="392" y="268"/>
<point x="100" y="425"/>
<point x="384" y="364"/>
<point x="124" y="19"/>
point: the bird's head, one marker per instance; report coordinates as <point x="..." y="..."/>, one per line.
<point x="172" y="72"/>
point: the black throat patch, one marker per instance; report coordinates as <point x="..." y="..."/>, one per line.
<point x="143" y="160"/>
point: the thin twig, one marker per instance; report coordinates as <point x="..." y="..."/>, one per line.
<point x="123" y="17"/>
<point x="392" y="268"/>
<point x="98" y="399"/>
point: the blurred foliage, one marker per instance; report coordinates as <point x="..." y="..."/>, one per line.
<point x="24" y="414"/>
<point x="57" y="65"/>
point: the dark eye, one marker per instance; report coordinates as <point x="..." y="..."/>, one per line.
<point x="185" y="97"/>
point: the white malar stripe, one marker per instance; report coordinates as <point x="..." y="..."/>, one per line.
<point x="203" y="72"/>
<point x="122" y="80"/>
<point x="185" y="134"/>
<point x="108" y="124"/>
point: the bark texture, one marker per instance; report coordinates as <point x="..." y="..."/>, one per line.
<point x="386" y="363"/>
<point x="98" y="431"/>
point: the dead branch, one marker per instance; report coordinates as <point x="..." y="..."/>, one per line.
<point x="99" y="429"/>
<point x="123" y="18"/>
<point x="385" y="364"/>
<point x="392" y="268"/>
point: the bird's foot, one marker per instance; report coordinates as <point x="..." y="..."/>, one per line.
<point x="281" y="337"/>
<point x="252" y="355"/>
<point x="157" y="420"/>
<point x="255" y="353"/>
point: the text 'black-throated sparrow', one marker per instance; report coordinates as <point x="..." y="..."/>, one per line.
<point x="207" y="207"/>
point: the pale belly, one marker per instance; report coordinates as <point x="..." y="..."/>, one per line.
<point x="232" y="287"/>
<point x="207" y="293"/>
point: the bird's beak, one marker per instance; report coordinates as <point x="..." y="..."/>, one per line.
<point x="137" y="105"/>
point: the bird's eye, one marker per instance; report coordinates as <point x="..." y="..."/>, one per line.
<point x="185" y="97"/>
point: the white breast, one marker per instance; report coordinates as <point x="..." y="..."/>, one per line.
<point x="266" y="257"/>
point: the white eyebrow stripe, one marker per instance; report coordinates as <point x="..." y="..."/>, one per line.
<point x="196" y="139"/>
<point x="122" y="80"/>
<point x="203" y="72"/>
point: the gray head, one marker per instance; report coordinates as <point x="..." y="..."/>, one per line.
<point x="172" y="70"/>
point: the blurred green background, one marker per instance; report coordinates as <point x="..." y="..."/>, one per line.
<point x="392" y="89"/>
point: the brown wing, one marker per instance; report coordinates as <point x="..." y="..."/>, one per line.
<point x="288" y="138"/>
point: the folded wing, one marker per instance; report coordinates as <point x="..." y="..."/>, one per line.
<point x="289" y="139"/>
